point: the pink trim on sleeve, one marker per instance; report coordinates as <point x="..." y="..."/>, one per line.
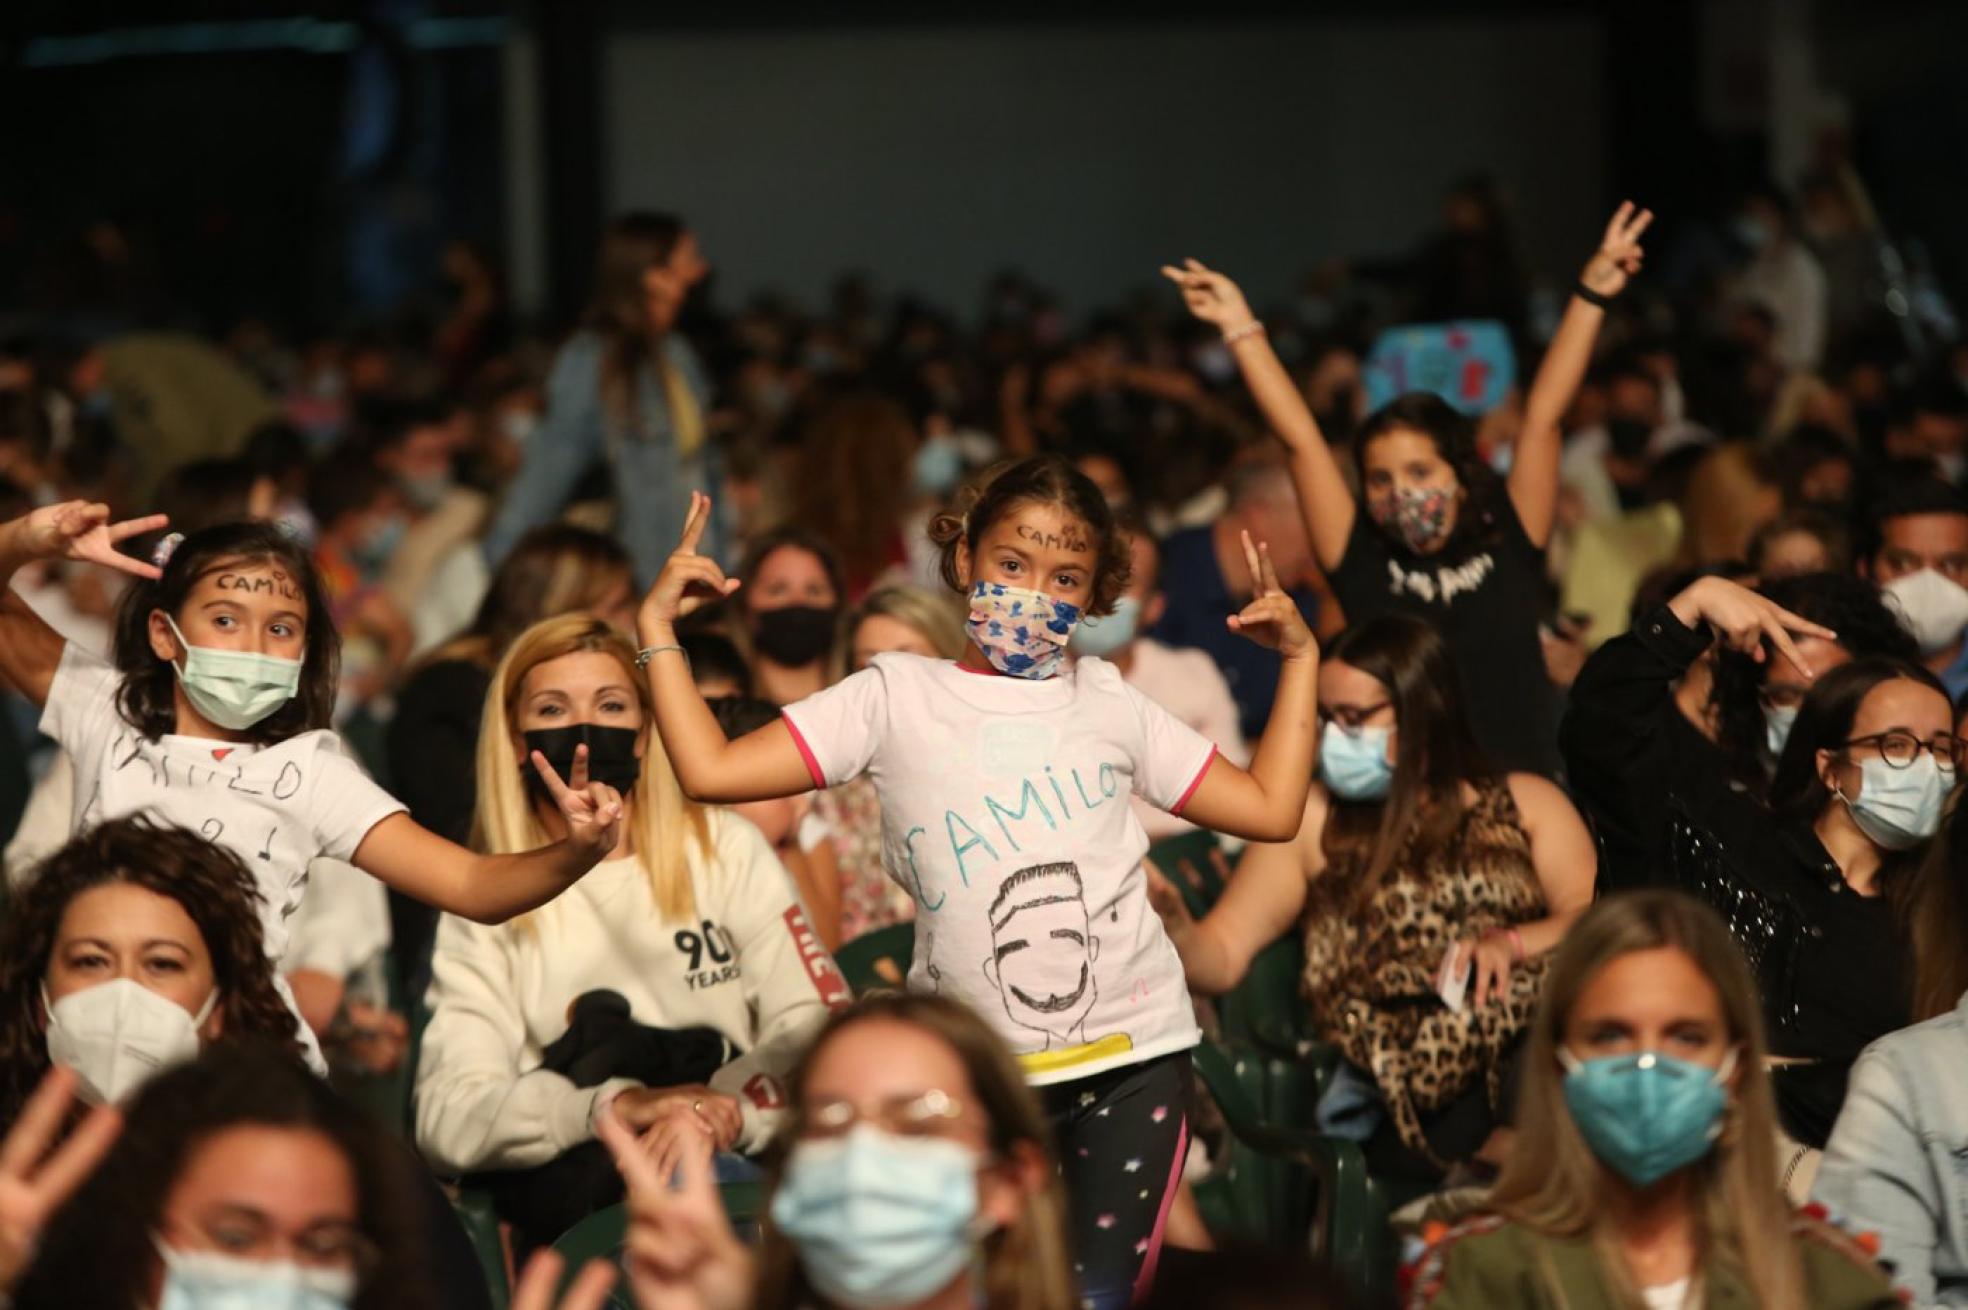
<point x="1195" y="782"/>
<point x="806" y="752"/>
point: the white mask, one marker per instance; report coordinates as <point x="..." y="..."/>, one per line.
<point x="1932" y="608"/>
<point x="118" y="1035"/>
<point x="210" y="1280"/>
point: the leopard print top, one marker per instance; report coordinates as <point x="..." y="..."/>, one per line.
<point x="1370" y="977"/>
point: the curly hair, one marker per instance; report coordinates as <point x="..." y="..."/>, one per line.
<point x="212" y="885"/>
<point x="1848" y="606"/>
<point x="99" y="1249"/>
<point x="1037" y="480"/>
<point x="147" y="698"/>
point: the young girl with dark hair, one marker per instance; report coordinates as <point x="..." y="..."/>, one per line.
<point x="1443" y="536"/>
<point x="1003" y="778"/>
<point x="214" y="715"/>
<point x="1415" y="858"/>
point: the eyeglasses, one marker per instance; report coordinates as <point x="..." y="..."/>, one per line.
<point x="251" y="1236"/>
<point x="1351" y="718"/>
<point x="1900" y="749"/>
<point x="933" y="1113"/>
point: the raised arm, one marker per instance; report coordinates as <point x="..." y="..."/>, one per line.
<point x="30" y="650"/>
<point x="1260" y="904"/>
<point x="1323" y="495"/>
<point x="1266" y="803"/>
<point x="758" y="766"/>
<point x="406" y="855"/>
<point x="1534" y="468"/>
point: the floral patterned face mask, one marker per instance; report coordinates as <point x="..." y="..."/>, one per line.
<point x="1023" y="633"/>
<point x="1419" y="516"/>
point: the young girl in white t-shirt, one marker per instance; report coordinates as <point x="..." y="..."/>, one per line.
<point x="1004" y="779"/>
<point x="214" y="713"/>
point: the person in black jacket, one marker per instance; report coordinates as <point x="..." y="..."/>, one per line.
<point x="556" y="569"/>
<point x="1808" y="881"/>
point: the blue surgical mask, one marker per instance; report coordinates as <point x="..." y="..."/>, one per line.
<point x="234" y="689"/>
<point x="1899" y="808"/>
<point x="1649" y="1114"/>
<point x="879" y="1220"/>
<point x="379" y="543"/>
<point x="939" y="465"/>
<point x="1778" y="720"/>
<point x="1103" y="636"/>
<point x="1354" y="764"/>
<point x="209" y="1280"/>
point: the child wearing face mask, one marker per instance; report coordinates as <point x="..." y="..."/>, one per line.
<point x="1004" y="778"/>
<point x="214" y="715"/>
<point x="1443" y="535"/>
<point x="1652" y="1180"/>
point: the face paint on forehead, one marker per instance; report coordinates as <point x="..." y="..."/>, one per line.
<point x="270" y="582"/>
<point x="1069" y="540"/>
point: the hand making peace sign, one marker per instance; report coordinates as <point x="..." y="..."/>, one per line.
<point x="689" y="581"/>
<point x="1271" y="619"/>
<point x="77" y="529"/>
<point x="1619" y="254"/>
<point x="593" y="810"/>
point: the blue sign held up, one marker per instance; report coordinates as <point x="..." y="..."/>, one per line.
<point x="1469" y="364"/>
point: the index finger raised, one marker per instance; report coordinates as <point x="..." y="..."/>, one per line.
<point x="555" y="787"/>
<point x="1255" y="564"/>
<point x="693" y="526"/>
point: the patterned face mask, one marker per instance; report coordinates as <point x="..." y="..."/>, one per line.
<point x="1023" y="633"/>
<point x="1419" y="516"/>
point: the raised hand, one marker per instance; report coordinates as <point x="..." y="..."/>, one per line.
<point x="689" y="581"/>
<point x="1743" y="620"/>
<point x="1167" y="902"/>
<point x="593" y="810"/>
<point x="1272" y="619"/>
<point x="681" y="1252"/>
<point x="78" y="529"/>
<point x="34" y="1181"/>
<point x="1209" y="295"/>
<point x="1619" y="254"/>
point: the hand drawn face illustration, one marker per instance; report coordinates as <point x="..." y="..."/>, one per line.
<point x="1042" y="952"/>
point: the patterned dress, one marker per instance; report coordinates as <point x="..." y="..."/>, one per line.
<point x="870" y="899"/>
<point x="1370" y="967"/>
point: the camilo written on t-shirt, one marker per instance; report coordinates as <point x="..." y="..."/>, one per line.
<point x="1005" y="815"/>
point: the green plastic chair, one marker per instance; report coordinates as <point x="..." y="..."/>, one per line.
<point x="858" y="959"/>
<point x="481" y="1225"/>
<point x="1193" y="848"/>
<point x="602" y="1235"/>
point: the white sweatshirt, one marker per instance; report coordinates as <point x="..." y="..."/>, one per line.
<point x="750" y="967"/>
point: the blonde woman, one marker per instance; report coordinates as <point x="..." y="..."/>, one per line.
<point x="1654" y="1187"/>
<point x="678" y="986"/>
<point x="842" y="835"/>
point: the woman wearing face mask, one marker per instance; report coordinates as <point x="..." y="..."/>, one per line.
<point x="1442" y="535"/>
<point x="133" y="946"/>
<point x="1663" y="721"/>
<point x="239" y="1180"/>
<point x="215" y="712"/>
<point x="1415" y="861"/>
<point x="1651" y="1182"/>
<point x="916" y="1177"/>
<point x="788" y="619"/>
<point x="677" y="983"/>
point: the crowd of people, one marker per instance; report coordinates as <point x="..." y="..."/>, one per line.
<point x="532" y="724"/>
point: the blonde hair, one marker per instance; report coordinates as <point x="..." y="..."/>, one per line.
<point x="936" y="617"/>
<point x="660" y="816"/>
<point x="1025" y="1263"/>
<point x="1554" y="1185"/>
<point x="1731" y="493"/>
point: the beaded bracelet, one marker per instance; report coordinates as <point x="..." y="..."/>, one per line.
<point x="1251" y="329"/>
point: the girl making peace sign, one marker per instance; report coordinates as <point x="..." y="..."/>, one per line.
<point x="214" y="713"/>
<point x="1004" y="778"/>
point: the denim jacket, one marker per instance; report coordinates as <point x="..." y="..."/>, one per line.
<point x="1897" y="1162"/>
<point x="652" y="481"/>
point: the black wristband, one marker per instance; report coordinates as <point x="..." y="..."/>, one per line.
<point x="1591" y="297"/>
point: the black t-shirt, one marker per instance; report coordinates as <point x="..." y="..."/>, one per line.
<point x="1485" y="593"/>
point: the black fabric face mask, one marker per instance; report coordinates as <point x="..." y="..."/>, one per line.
<point x="611" y="756"/>
<point x="1629" y="436"/>
<point x="795" y="635"/>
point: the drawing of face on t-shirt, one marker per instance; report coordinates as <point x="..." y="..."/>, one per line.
<point x="1043" y="952"/>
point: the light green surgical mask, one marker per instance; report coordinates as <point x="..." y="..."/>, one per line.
<point x="234" y="689"/>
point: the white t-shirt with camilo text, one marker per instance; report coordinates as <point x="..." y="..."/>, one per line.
<point x="1006" y="816"/>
